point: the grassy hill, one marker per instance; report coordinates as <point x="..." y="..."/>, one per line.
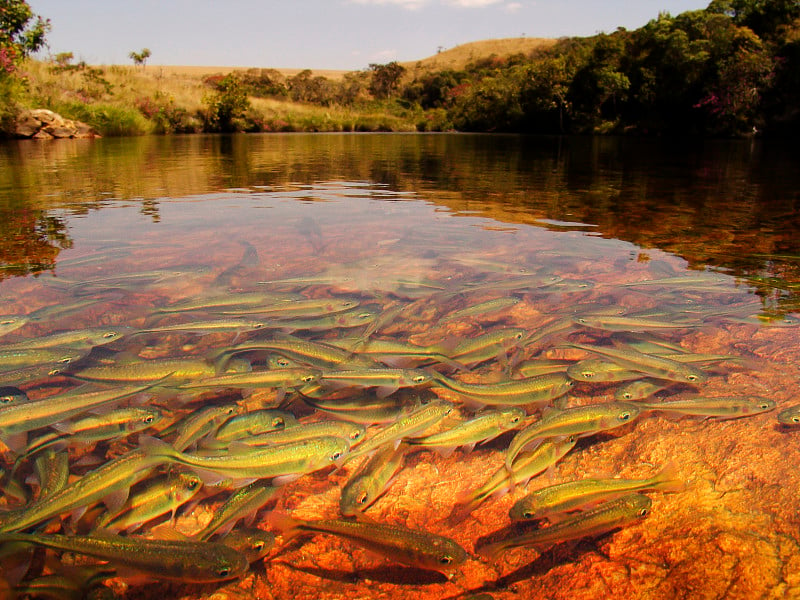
<point x="460" y="56"/>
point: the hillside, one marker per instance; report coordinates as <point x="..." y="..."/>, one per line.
<point x="459" y="56"/>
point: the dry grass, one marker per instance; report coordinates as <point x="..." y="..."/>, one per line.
<point x="193" y="71"/>
<point x="458" y="57"/>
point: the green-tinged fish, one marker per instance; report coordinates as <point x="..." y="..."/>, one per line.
<point x="579" y="421"/>
<point x="14" y="358"/>
<point x="110" y="482"/>
<point x="481" y="309"/>
<point x="254" y="423"/>
<point x="371" y="480"/>
<point x="175" y="369"/>
<point x="26" y="375"/>
<point x="630" y="323"/>
<point x="399" y="544"/>
<point x="243" y="503"/>
<point x="395" y="351"/>
<point x="486" y="346"/>
<point x="598" y="370"/>
<point x="408" y="425"/>
<point x="317" y="354"/>
<point x="526" y="466"/>
<point x="210" y="325"/>
<point x="481" y="428"/>
<point x="789" y="416"/>
<point x="538" y="390"/>
<point x="388" y="380"/>
<point x="640" y="389"/>
<point x="16" y="420"/>
<point x="727" y="407"/>
<point x="243" y="464"/>
<point x="228" y="300"/>
<point x="51" y="469"/>
<point x="10" y="394"/>
<point x="554" y="501"/>
<point x="255" y="544"/>
<point x="202" y="423"/>
<point x="596" y="521"/>
<point x="74" y="582"/>
<point x="541" y="366"/>
<point x="351" y="432"/>
<point x="9" y="323"/>
<point x="111" y="425"/>
<point x="655" y="366"/>
<point x="78" y="338"/>
<point x="291" y="309"/>
<point x="272" y="378"/>
<point x="366" y="409"/>
<point x="184" y="561"/>
<point x="344" y="320"/>
<point x="156" y="498"/>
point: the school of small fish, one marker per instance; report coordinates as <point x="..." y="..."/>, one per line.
<point x="225" y="397"/>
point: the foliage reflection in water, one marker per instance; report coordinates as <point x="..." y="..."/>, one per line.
<point x="339" y="348"/>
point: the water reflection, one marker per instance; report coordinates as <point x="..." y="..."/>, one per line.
<point x="727" y="204"/>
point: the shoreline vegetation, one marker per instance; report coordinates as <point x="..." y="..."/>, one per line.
<point x="732" y="69"/>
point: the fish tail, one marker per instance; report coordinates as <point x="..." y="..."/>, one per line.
<point x="668" y="479"/>
<point x="288" y="527"/>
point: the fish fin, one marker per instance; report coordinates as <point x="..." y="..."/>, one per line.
<point x="16" y="442"/>
<point x="668" y="479"/>
<point x="286" y="525"/>
<point x="468" y="448"/>
<point x="16" y="566"/>
<point x="284" y="479"/>
<point x="446" y="451"/>
<point x="116" y="499"/>
<point x="382" y="391"/>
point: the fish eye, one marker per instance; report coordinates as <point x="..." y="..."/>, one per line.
<point x="258" y="326"/>
<point x="691" y="377"/>
<point x="518" y="336"/>
<point x="7" y="322"/>
<point x="53" y="372"/>
<point x="570" y="383"/>
<point x="643" y="512"/>
<point x="282" y="362"/>
<point x="65" y="360"/>
<point x="258" y="546"/>
<point x="6" y="399"/>
<point x="582" y="320"/>
<point x="587" y="374"/>
<point x="336" y="456"/>
<point x="362" y="499"/>
<point x="627" y="395"/>
<point x="109" y="334"/>
<point x="278" y="422"/>
<point x="445" y="560"/>
<point x="149" y="419"/>
<point x="419" y="379"/>
<point x="308" y="378"/>
<point x="364" y="315"/>
<point x="193" y="483"/>
<point x="527" y="514"/>
<point x="355" y="435"/>
<point x="515" y="419"/>
<point x="763" y="405"/>
<point x="624" y="416"/>
<point x="224" y="572"/>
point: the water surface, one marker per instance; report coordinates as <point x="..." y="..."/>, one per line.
<point x="416" y="230"/>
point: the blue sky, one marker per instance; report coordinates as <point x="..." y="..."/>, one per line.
<point x="321" y="34"/>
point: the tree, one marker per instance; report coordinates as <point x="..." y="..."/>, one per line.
<point x="228" y="104"/>
<point x="385" y="79"/>
<point x="21" y="33"/>
<point x="140" y="58"/>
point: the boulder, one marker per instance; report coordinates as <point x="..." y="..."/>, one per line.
<point x="43" y="124"/>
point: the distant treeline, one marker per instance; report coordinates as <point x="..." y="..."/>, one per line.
<point x="731" y="69"/>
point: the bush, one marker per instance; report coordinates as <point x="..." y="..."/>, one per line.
<point x="227" y="105"/>
<point x="108" y="119"/>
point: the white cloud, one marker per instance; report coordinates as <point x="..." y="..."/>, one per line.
<point x="512" y="7"/>
<point x="471" y="3"/>
<point x="407" y="4"/>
